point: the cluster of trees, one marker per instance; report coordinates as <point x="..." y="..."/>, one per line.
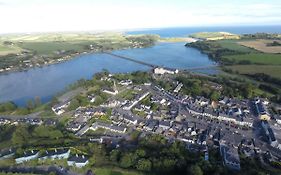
<point x="144" y="40"/>
<point x="154" y="155"/>
<point x="260" y="36"/>
<point x="231" y="88"/>
<point x="216" y="52"/>
<point x="24" y="135"/>
<point x="265" y="78"/>
<point x="195" y="87"/>
<point x="8" y="107"/>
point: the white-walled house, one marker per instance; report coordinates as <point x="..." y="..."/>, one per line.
<point x="27" y="156"/>
<point x="55" y="154"/>
<point x="78" y="161"/>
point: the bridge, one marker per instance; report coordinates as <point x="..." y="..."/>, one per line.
<point x="132" y="59"/>
<point x="154" y="65"/>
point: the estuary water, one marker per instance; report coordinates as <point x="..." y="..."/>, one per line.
<point x="47" y="81"/>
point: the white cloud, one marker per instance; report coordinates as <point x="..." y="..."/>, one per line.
<point x="44" y="17"/>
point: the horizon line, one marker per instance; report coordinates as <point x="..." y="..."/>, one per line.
<point x="140" y="29"/>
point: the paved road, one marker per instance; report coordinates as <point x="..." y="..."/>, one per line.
<point x="38" y="170"/>
<point x="29" y="116"/>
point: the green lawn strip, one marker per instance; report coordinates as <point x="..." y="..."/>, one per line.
<point x="233" y="45"/>
<point x="274" y="71"/>
<point x="114" y="171"/>
<point x="257" y="58"/>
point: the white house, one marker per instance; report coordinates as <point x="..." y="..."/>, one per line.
<point x="125" y="82"/>
<point x="78" y="161"/>
<point x="5" y="154"/>
<point x="27" y="156"/>
<point x="55" y="154"/>
<point x="59" y="108"/>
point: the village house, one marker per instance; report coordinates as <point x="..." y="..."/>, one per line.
<point x="269" y="134"/>
<point x="111" y="127"/>
<point x="111" y="104"/>
<point x="165" y="125"/>
<point x="8" y="153"/>
<point x="230" y="157"/>
<point x="55" y="154"/>
<point x="131" y="119"/>
<point x="261" y="109"/>
<point x="60" y="108"/>
<point x="135" y="102"/>
<point x="27" y="156"/>
<point x="125" y="82"/>
<point x="77" y="161"/>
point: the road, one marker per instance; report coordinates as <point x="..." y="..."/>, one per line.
<point x="29" y="116"/>
<point x="38" y="170"/>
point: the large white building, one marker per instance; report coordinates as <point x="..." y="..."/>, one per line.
<point x="161" y="71"/>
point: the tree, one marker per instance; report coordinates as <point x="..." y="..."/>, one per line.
<point x="47" y="132"/>
<point x="37" y="101"/>
<point x="115" y="155"/>
<point x="144" y="165"/>
<point x="22" y="111"/>
<point x="140" y="153"/>
<point x="20" y="136"/>
<point x="195" y="170"/>
<point x="214" y="95"/>
<point x="98" y="100"/>
<point x="8" y="106"/>
<point x="128" y="160"/>
<point x="30" y="104"/>
<point x="73" y="104"/>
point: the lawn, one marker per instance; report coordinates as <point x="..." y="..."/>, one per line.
<point x="257" y="58"/>
<point x="272" y="70"/>
<point x="114" y="171"/>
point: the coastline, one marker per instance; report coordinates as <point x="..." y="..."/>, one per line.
<point x="65" y="59"/>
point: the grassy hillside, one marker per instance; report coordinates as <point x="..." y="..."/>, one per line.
<point x="214" y="35"/>
<point x="264" y="68"/>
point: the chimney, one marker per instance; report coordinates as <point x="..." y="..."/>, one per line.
<point x="76" y="155"/>
<point x="83" y="156"/>
<point x="32" y="151"/>
<point x="55" y="149"/>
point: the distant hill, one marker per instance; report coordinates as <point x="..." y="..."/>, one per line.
<point x="214" y="35"/>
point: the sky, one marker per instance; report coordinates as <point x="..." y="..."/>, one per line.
<point x="21" y="16"/>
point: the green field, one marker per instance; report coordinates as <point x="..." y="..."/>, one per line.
<point x="257" y="58"/>
<point x="51" y="47"/>
<point x="274" y="71"/>
<point x="4" y="50"/>
<point x="233" y="45"/>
